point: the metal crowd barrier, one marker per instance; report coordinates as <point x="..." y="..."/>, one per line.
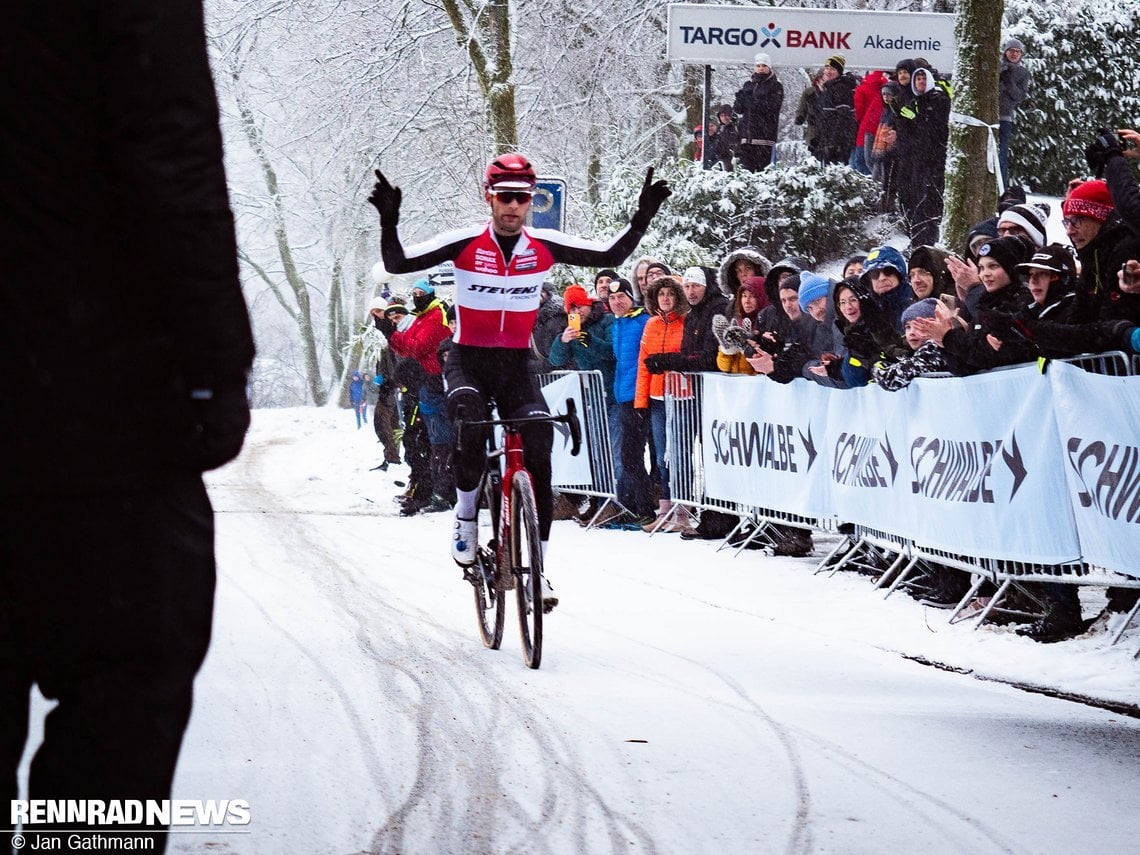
<point x="684" y="400"/>
<point x="1113" y="363"/>
<point x="895" y="560"/>
<point x="596" y="428"/>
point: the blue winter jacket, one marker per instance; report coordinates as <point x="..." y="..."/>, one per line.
<point x="626" y="332"/>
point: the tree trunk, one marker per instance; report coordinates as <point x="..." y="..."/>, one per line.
<point x="971" y="189"/>
<point x="485" y="33"/>
<point x="337" y="324"/>
<point x="302" y="314"/>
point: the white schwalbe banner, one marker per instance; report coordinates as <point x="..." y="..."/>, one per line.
<point x="865" y="443"/>
<point x="983" y="471"/>
<point x="762" y="443"/>
<point x="567" y="470"/>
<point x="1099" y="423"/>
<point x="970" y="465"/>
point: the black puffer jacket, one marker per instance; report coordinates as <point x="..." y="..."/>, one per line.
<point x="835" y="108"/>
<point x="1101" y="258"/>
<point x="1124" y="191"/>
<point x="969" y="351"/>
<point x="873" y="336"/>
<point x="758" y="103"/>
<point x="923" y="135"/>
<point x="1060" y="328"/>
<point x="791" y="343"/>
<point x="698" y="344"/>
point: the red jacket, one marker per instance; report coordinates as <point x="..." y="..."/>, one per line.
<point x="421" y="340"/>
<point x="869" y="104"/>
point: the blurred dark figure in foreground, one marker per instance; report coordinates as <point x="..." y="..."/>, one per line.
<point x="119" y="264"/>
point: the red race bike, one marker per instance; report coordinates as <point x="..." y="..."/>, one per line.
<point x="508" y="553"/>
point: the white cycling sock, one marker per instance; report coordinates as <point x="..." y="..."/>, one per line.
<point x="544" y="544"/>
<point x="465" y="501"/>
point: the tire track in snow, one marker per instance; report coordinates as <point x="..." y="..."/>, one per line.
<point x="800" y="839"/>
<point x="457" y="797"/>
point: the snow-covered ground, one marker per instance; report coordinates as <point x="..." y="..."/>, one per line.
<point x="688" y="701"/>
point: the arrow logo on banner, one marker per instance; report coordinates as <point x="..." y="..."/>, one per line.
<point x="809" y="444"/>
<point x="1015" y="462"/>
<point x="886" y="446"/>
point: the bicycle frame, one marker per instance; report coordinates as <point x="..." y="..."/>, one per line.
<point x="512" y="452"/>
<point x="526" y="575"/>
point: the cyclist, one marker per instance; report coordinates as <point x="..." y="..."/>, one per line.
<point x="499" y="271"/>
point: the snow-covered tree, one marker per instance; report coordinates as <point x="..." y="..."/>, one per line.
<point x="816" y="211"/>
<point x="1085" y="60"/>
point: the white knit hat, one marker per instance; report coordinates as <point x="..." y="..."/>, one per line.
<point x="1032" y="217"/>
<point x="762" y="59"/>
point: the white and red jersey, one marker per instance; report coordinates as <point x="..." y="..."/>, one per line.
<point x="497" y="298"/>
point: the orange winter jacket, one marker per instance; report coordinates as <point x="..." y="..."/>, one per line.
<point x="662" y="335"/>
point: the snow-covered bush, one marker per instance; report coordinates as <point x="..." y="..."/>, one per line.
<point x="805" y="209"/>
<point x="1085" y="60"/>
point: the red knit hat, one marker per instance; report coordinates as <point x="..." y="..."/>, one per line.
<point x="576" y="296"/>
<point x="1090" y="199"/>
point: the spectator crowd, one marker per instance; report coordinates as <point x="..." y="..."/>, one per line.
<point x="1007" y="296"/>
<point x="893" y="126"/>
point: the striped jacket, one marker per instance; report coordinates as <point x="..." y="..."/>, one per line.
<point x="497" y="298"/>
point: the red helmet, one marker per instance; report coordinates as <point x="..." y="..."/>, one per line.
<point x="511" y="171"/>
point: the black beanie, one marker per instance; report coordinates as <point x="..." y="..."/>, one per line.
<point x="1008" y="252"/>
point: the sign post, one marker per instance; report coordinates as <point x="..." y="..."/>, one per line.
<point x="548" y="208"/>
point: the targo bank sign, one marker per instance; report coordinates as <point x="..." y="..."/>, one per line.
<point x="805" y="38"/>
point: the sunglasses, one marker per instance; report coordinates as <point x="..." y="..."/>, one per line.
<point x="508" y="196"/>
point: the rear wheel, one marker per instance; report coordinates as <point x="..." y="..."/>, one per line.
<point x="489" y="602"/>
<point x="526" y="561"/>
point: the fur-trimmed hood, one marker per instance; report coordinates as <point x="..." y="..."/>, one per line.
<point x="791" y="264"/>
<point x="727" y="276"/>
<point x="653" y="288"/>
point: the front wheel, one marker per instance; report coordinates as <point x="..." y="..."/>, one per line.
<point x="526" y="561"/>
<point x="490" y="602"/>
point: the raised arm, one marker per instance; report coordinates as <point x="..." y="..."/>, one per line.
<point x="386" y="199"/>
<point x="569" y="249"/>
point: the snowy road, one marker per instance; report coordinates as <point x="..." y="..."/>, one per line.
<point x="687" y="702"/>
